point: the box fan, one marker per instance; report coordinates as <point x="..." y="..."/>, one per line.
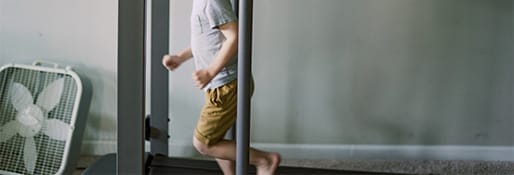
<point x="43" y="110"/>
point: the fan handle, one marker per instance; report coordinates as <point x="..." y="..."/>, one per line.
<point x="50" y="64"/>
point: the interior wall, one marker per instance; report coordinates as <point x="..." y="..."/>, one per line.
<point x="370" y="72"/>
<point x="384" y="72"/>
<point x="331" y="72"/>
<point x="81" y="33"/>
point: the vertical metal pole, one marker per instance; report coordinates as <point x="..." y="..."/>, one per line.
<point x="243" y="93"/>
<point x="131" y="89"/>
<point x="159" y="75"/>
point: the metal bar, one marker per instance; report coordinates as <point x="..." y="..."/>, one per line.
<point x="159" y="75"/>
<point x="243" y="93"/>
<point x="131" y="90"/>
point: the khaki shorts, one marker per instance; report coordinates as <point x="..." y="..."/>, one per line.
<point x="218" y="113"/>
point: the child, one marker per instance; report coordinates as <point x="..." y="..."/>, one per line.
<point x="214" y="43"/>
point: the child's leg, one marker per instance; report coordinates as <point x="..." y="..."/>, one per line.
<point x="217" y="116"/>
<point x="227" y="166"/>
<point x="265" y="162"/>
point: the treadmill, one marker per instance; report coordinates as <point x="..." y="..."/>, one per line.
<point x="134" y="129"/>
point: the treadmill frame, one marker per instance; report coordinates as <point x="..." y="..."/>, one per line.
<point x="131" y="83"/>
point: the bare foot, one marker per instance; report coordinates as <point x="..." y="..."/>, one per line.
<point x="270" y="165"/>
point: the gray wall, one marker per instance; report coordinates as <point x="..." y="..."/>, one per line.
<point x="80" y="33"/>
<point x="374" y="72"/>
<point x="328" y="72"/>
<point x="384" y="72"/>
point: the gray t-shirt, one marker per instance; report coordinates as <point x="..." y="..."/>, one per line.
<point x="207" y="39"/>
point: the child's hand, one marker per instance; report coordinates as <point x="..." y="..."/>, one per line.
<point x="202" y="78"/>
<point x="171" y="62"/>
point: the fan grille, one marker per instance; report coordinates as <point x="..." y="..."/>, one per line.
<point x="50" y="151"/>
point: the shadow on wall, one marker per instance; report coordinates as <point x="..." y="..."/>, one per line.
<point x="444" y="86"/>
<point x="102" y="119"/>
<point x="418" y="72"/>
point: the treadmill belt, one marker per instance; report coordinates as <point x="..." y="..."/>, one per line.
<point x="164" y="165"/>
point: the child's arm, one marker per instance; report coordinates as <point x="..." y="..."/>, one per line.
<point x="171" y="62"/>
<point x="228" y="50"/>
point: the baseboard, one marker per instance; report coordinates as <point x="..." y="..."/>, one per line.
<point x="344" y="152"/>
<point x="392" y="152"/>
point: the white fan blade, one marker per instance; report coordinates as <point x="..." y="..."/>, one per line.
<point x="8" y="130"/>
<point x="51" y="95"/>
<point x="30" y="154"/>
<point x="56" y="129"/>
<point x="20" y="96"/>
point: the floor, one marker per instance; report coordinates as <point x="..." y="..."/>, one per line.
<point x="400" y="167"/>
<point x="414" y="167"/>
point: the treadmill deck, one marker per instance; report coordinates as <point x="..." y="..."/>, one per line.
<point x="162" y="165"/>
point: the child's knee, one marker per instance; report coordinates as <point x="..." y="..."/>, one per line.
<point x="200" y="147"/>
